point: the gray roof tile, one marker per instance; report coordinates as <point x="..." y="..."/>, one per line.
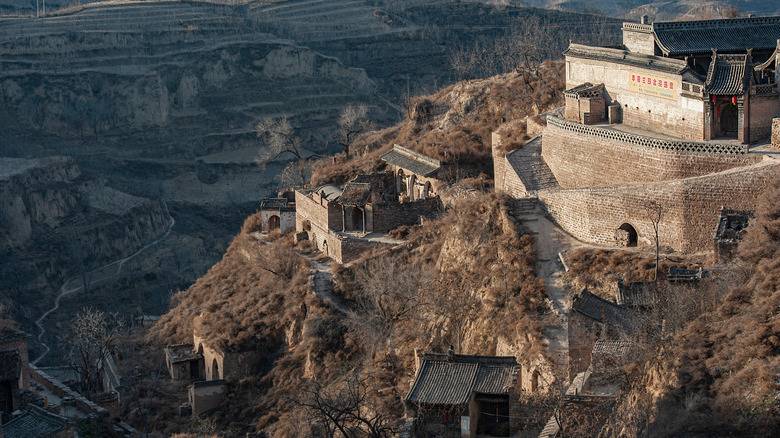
<point x="728" y="75"/>
<point x="414" y="162"/>
<point x="604" y="311"/>
<point x="34" y="423"/>
<point x="612" y="348"/>
<point x="732" y="35"/>
<point x="637" y="293"/>
<point x="355" y="194"/>
<point x="443" y="382"/>
<point x="619" y="56"/>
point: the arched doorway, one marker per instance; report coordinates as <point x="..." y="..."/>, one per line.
<point x="6" y="398"/>
<point x="729" y="120"/>
<point x="626" y="235"/>
<point x="274" y="223"/>
<point x="427" y="191"/>
<point x="214" y="369"/>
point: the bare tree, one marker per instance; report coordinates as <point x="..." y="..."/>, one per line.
<point x="353" y="121"/>
<point x="349" y="407"/>
<point x="92" y="336"/>
<point x="392" y="291"/>
<point x="654" y="212"/>
<point x="457" y="302"/>
<point x="281" y="139"/>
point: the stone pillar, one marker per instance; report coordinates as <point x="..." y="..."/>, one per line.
<point x="498" y="162"/>
<point x="776" y="133"/>
<point x="743" y="107"/>
<point x="708" y="122"/>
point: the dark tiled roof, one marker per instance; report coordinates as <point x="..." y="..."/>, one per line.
<point x="355" y="194"/>
<point x="732" y="224"/>
<point x="612" y="348"/>
<point x="637" y="293"/>
<point x="678" y="274"/>
<point x="181" y="353"/>
<point x="34" y="423"/>
<point x="9" y="365"/>
<point x="619" y="56"/>
<point x="604" y="311"/>
<point x="440" y="381"/>
<point x="406" y="159"/>
<point x="273" y="203"/>
<point x="733" y="35"/>
<point x="728" y="75"/>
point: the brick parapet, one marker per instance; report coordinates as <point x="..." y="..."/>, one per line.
<point x="61" y="390"/>
<point x="583" y="156"/>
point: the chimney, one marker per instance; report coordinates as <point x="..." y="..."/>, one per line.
<point x="451" y="354"/>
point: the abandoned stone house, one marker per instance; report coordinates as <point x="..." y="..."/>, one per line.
<point x="732" y="226"/>
<point x="595" y="319"/>
<point x="415" y="173"/>
<point x="277" y="214"/>
<point x="337" y="219"/>
<point x="462" y="395"/>
<point x="661" y="120"/>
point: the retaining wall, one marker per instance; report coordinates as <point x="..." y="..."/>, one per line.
<point x="691" y="206"/>
<point x="584" y="156"/>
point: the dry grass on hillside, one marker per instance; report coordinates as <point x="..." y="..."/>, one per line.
<point x="719" y="375"/>
<point x="247" y="299"/>
<point x="455" y="124"/>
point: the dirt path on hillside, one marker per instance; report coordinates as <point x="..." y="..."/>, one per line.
<point x="322" y="266"/>
<point x="95" y="276"/>
<point x="550" y="241"/>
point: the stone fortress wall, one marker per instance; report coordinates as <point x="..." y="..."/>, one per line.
<point x="583" y="156"/>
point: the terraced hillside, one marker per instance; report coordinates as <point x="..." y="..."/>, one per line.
<point x="159" y="100"/>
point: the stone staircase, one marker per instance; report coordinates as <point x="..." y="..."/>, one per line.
<point x="527" y="173"/>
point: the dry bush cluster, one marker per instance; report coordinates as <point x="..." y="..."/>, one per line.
<point x="454" y="125"/>
<point x="717" y="375"/>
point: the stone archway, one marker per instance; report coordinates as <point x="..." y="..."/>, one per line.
<point x="214" y="369"/>
<point x="274" y="223"/>
<point x="626" y="235"/>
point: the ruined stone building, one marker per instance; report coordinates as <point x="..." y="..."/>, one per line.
<point x="668" y="119"/>
<point x="337" y="219"/>
<point x="462" y="395"/>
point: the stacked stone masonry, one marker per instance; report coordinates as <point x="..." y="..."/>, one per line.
<point x="584" y="156"/>
<point x="691" y="206"/>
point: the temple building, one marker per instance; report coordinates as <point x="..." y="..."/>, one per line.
<point x="691" y="80"/>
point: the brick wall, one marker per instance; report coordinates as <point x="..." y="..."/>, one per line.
<point x="391" y="216"/>
<point x="691" y="206"/>
<point x="19" y="344"/>
<point x="340" y="248"/>
<point x="762" y="111"/>
<point x="317" y="211"/>
<point x="592" y="158"/>
<point x="638" y="40"/>
<point x="582" y="333"/>
<point x="498" y="160"/>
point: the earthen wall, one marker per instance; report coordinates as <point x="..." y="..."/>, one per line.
<point x="582" y="156"/>
<point x="691" y="207"/>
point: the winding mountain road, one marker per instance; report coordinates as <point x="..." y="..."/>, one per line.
<point x="96" y="276"/>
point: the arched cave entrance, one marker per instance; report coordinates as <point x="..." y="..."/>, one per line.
<point x="729" y="120"/>
<point x="626" y="235"/>
<point x="274" y="223"/>
<point x="401" y="182"/>
<point x="412" y="189"/>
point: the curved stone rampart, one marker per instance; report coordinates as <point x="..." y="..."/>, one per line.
<point x="582" y="156"/>
<point x="691" y="206"/>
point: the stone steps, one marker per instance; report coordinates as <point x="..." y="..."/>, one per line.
<point x="530" y="167"/>
<point x="551" y="429"/>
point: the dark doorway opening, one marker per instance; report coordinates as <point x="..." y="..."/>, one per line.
<point x="630" y="234"/>
<point x="729" y="120"/>
<point x="274" y="223"/>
